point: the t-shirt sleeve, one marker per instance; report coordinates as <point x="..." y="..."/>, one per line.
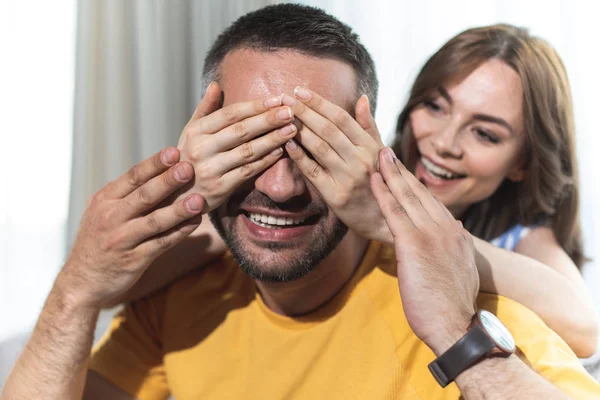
<point x="542" y="348"/>
<point x="130" y="354"/>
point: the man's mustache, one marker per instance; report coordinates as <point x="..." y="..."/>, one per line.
<point x="298" y="204"/>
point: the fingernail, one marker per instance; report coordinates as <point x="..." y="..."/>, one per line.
<point x="193" y="204"/>
<point x="287" y="130"/>
<point x="284" y="114"/>
<point x="273" y="102"/>
<point x="168" y="156"/>
<point x="209" y="87"/>
<point x="292" y="145"/>
<point x="389" y="155"/>
<point x="277" y="152"/>
<point x="180" y="173"/>
<point x="288" y="100"/>
<point x="302" y="93"/>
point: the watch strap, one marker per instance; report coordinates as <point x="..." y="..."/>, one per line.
<point x="469" y="349"/>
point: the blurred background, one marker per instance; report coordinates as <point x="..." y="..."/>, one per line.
<point x="90" y="87"/>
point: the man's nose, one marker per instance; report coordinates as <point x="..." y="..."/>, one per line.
<point x="282" y="181"/>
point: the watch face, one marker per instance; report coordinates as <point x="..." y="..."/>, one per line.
<point x="497" y="331"/>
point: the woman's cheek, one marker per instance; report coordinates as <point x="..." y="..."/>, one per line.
<point x="421" y="123"/>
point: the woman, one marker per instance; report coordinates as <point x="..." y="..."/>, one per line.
<point x="488" y="129"/>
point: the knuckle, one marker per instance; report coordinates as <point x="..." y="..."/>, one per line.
<point x="328" y="129"/>
<point x="341" y="117"/>
<point x="162" y="242"/>
<point x="143" y="195"/>
<point x="230" y="113"/>
<point x="246" y="150"/>
<point x="299" y="108"/>
<point x="106" y="216"/>
<point x="213" y="187"/>
<point x="323" y="148"/>
<point x="315" y="170"/>
<point x="134" y="175"/>
<point x="240" y="130"/>
<point x="153" y="223"/>
<point x="246" y="171"/>
<point x="397" y="210"/>
<point x="205" y="172"/>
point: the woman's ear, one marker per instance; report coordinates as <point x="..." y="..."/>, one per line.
<point x="518" y="174"/>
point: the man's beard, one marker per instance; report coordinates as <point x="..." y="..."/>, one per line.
<point x="321" y="243"/>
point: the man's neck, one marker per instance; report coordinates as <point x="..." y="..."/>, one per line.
<point x="319" y="286"/>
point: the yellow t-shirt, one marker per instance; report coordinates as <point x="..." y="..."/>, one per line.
<point x="210" y="336"/>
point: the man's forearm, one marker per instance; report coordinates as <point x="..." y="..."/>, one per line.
<point x="505" y="378"/>
<point x="53" y="364"/>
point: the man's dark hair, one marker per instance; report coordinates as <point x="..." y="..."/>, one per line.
<point x="307" y="30"/>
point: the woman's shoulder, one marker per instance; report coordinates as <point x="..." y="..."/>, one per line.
<point x="510" y="239"/>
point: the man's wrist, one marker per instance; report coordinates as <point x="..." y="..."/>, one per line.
<point x="447" y="336"/>
<point x="67" y="297"/>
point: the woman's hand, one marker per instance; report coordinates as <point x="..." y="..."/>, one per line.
<point x="345" y="154"/>
<point x="227" y="146"/>
<point x="437" y="275"/>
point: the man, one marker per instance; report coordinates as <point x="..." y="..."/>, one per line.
<point x="316" y="312"/>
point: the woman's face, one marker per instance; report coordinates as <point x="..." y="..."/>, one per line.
<point x="469" y="136"/>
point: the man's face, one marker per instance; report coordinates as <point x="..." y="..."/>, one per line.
<point x="277" y="226"/>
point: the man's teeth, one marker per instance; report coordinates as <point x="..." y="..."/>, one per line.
<point x="269" y="220"/>
<point x="437" y="170"/>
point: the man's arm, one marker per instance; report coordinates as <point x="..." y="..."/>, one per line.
<point x="53" y="364"/>
<point x="70" y="329"/>
<point x="503" y="379"/>
<point x="116" y="242"/>
<point x="496" y="378"/>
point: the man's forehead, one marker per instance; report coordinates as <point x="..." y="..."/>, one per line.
<point x="247" y="74"/>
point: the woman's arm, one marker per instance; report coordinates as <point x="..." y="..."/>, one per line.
<point x="195" y="251"/>
<point x="536" y="278"/>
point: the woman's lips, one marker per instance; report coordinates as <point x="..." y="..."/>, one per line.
<point x="431" y="180"/>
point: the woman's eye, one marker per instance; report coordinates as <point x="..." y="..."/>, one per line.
<point x="487" y="136"/>
<point x="432" y="105"/>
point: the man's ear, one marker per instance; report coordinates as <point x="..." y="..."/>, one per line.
<point x="362" y="112"/>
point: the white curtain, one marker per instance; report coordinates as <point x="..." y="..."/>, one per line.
<point x="139" y="65"/>
<point x="401" y="35"/>
<point x="138" y="69"/>
<point x="36" y="97"/>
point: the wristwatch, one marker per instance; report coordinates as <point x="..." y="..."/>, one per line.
<point x="485" y="337"/>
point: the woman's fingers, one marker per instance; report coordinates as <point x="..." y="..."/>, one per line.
<point x="401" y="190"/>
<point x="395" y="215"/>
<point x="234" y="178"/>
<point x="311" y="169"/>
<point x="141" y="173"/>
<point x="436" y="210"/>
<point x="321" y="113"/>
<point x="323" y="152"/>
<point x="235" y="113"/>
<point x="254" y="149"/>
<point x="364" y="117"/>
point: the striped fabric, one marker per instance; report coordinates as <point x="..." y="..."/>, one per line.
<point x="510" y="239"/>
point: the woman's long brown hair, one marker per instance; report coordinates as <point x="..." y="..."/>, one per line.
<point x="550" y="192"/>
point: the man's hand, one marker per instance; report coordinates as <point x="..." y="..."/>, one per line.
<point x="437" y="275"/>
<point x="345" y="154"/>
<point x="228" y="146"/>
<point x="122" y="231"/>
